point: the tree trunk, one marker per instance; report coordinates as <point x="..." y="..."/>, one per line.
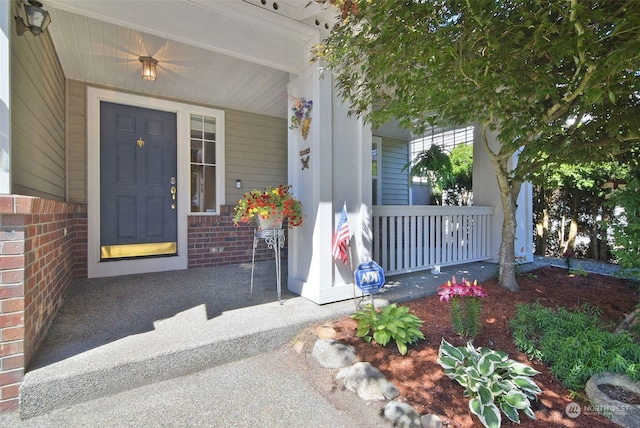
<point x="573" y="225"/>
<point x="542" y="224"/>
<point x="628" y="321"/>
<point x="561" y="242"/>
<point x="594" y="243"/>
<point x="508" y="188"/>
<point x="607" y="213"/>
<point x="507" y="256"/>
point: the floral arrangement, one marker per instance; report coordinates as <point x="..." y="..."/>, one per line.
<point x="466" y="305"/>
<point x="301" y="110"/>
<point x="272" y="201"/>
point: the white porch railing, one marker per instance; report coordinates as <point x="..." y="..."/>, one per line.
<point x="413" y="238"/>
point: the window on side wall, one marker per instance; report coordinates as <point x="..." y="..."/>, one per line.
<point x="205" y="163"/>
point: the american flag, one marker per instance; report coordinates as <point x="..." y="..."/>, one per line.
<point x="341" y="238"/>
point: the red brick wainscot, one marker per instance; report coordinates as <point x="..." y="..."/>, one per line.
<point x="43" y="249"/>
<point x="215" y="241"/>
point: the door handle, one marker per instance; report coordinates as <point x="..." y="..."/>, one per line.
<point x="173" y="197"/>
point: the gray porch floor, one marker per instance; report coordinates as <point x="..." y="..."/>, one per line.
<point x="116" y="334"/>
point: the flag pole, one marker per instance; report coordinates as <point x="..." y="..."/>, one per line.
<point x="355" y="301"/>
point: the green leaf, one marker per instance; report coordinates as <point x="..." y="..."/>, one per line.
<point x="475" y="406"/>
<point x="473" y="373"/>
<point x="473" y="384"/>
<point x="521" y="369"/>
<point x="415" y="332"/>
<point x="489" y="415"/>
<point x="526" y="384"/>
<point x="510" y="411"/>
<point x="506" y="385"/>
<point x="517" y="399"/>
<point x="447" y="362"/>
<point x="485" y="395"/>
<point x="447" y="349"/>
<point x="402" y="347"/>
<point x="382" y="337"/>
<point x="469" y="350"/>
<point x="486" y="364"/>
<point x="362" y="332"/>
<point x="492" y="417"/>
<point x="527" y="411"/>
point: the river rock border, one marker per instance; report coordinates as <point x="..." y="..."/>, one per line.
<point x="367" y="381"/>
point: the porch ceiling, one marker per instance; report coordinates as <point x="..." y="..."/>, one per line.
<point x="238" y="54"/>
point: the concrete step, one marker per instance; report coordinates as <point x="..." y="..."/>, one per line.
<point x="180" y="345"/>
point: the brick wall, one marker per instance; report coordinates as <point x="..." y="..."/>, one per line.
<point x="43" y="247"/>
<point x="216" y="241"/>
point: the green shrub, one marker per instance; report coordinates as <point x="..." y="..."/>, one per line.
<point x="490" y="379"/>
<point x="626" y="228"/>
<point x="575" y="344"/>
<point x="393" y="322"/>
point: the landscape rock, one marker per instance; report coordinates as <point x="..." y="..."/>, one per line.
<point x="626" y="415"/>
<point x="431" y="421"/>
<point x="333" y="354"/>
<point x="368" y="382"/>
<point x="326" y="332"/>
<point x="402" y="415"/>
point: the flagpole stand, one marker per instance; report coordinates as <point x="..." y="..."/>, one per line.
<point x="274" y="238"/>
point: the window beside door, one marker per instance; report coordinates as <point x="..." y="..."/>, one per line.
<point x="204" y="158"/>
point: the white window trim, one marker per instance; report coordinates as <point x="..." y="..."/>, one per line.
<point x="96" y="268"/>
<point x="220" y="157"/>
<point x="378" y="141"/>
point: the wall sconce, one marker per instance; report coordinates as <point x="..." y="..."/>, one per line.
<point x="37" y="19"/>
<point x="149" y="68"/>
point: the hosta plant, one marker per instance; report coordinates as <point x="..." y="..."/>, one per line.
<point x="392" y="322"/>
<point x="492" y="382"/>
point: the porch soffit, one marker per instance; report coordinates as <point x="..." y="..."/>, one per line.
<point x="229" y="53"/>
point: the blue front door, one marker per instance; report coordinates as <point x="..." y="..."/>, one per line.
<point x="138" y="188"/>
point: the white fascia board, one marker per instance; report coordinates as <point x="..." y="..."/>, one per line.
<point x="230" y="27"/>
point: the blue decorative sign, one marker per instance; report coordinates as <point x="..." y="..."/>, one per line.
<point x="369" y="277"/>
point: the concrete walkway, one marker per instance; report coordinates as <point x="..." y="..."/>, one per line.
<point x="189" y="348"/>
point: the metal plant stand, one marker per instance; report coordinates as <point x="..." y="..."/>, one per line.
<point x="274" y="238"/>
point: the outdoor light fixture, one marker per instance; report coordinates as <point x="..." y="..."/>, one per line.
<point x="149" y="68"/>
<point x="37" y="19"/>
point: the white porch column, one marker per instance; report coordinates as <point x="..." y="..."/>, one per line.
<point x="486" y="192"/>
<point x="339" y="171"/>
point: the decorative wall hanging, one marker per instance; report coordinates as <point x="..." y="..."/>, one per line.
<point x="301" y="119"/>
<point x="305" y="161"/>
